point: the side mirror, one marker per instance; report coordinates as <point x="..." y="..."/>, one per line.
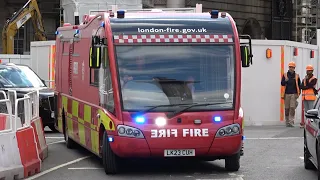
<point x="245" y="59"/>
<point x="246" y="51"/>
<point x="312" y="114"/>
<point x="95" y="53"/>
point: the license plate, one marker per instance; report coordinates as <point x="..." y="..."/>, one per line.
<point x="179" y="152"/>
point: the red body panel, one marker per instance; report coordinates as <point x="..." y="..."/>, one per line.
<point x="187" y="123"/>
<point x="204" y="146"/>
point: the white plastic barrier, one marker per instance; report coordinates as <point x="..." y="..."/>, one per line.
<point x="34" y="97"/>
<point x="10" y="162"/>
<point x="37" y="125"/>
<point x="19" y="156"/>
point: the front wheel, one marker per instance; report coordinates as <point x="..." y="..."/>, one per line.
<point x="109" y="159"/>
<point x="232" y="163"/>
<point x="69" y="142"/>
<point x="306" y="157"/>
<point x="318" y="160"/>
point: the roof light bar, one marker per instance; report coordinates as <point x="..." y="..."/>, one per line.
<point x="120" y="13"/>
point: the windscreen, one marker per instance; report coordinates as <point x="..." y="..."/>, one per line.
<point x="165" y="75"/>
<point x="19" y="77"/>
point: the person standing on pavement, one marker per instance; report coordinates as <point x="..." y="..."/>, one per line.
<point x="291" y="82"/>
<point x="308" y="89"/>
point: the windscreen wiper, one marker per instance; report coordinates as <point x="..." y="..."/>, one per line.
<point x="191" y="106"/>
<point x="164" y="105"/>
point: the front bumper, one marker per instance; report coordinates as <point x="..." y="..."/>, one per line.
<point x="134" y="148"/>
<point x="45" y="115"/>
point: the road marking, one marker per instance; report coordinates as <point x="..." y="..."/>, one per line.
<point x="56" y="142"/>
<point x="237" y="178"/>
<point x="281" y="138"/>
<point x="51" y="137"/>
<point x="84" y="168"/>
<point x="57" y="167"/>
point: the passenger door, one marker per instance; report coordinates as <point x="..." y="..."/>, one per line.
<point x="312" y="126"/>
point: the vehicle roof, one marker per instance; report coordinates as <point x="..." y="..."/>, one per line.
<point x="146" y="20"/>
<point x="4" y="65"/>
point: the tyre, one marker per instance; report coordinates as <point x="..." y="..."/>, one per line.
<point x="52" y="128"/>
<point x="69" y="142"/>
<point x="232" y="163"/>
<point x="307" y="163"/>
<point x="109" y="159"/>
<point x="318" y="160"/>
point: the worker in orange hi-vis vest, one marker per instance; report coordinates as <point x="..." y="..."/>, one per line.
<point x="308" y="87"/>
<point x="291" y="81"/>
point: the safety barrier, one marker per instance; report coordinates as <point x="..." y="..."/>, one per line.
<point x="10" y="163"/>
<point x="36" y="123"/>
<point x="3" y="117"/>
<point x="3" y="122"/>
<point x="21" y="143"/>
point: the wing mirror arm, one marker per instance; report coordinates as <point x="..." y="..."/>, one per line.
<point x="312" y="114"/>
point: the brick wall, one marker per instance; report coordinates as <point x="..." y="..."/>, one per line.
<point x="240" y="10"/>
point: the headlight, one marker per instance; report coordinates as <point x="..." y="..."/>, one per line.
<point x="128" y="131"/>
<point x="230" y="130"/>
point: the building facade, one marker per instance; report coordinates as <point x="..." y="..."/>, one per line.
<point x="262" y="19"/>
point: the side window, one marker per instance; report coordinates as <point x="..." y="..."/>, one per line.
<point x="106" y="87"/>
<point x="94" y="77"/>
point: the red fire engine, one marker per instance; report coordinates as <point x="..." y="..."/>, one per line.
<point x="152" y="84"/>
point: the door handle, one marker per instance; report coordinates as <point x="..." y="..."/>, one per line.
<point x="92" y="119"/>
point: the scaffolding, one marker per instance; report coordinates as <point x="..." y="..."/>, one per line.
<point x="306" y="21"/>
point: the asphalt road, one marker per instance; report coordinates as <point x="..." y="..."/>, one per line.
<point x="270" y="153"/>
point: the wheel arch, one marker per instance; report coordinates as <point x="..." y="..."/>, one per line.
<point x="102" y="129"/>
<point x="63" y="117"/>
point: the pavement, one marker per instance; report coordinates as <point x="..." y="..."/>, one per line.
<point x="270" y="152"/>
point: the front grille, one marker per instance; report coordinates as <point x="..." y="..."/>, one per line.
<point x="51" y="102"/>
<point x="47" y="103"/>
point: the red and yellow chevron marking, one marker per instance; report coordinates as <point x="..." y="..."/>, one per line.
<point x="282" y="88"/>
<point x="83" y="126"/>
<point x="52" y="56"/>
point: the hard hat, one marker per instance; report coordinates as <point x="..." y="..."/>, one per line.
<point x="292" y="64"/>
<point x="309" y="68"/>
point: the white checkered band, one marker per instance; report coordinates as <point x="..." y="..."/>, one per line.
<point x="128" y="39"/>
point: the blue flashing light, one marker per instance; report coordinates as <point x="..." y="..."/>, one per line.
<point x="214" y="13"/>
<point x="217" y="119"/>
<point x="140" y="119"/>
<point x="102" y="24"/>
<point x="57" y="32"/>
<point x="120" y="13"/>
<point x="110" y="139"/>
<point x="77" y="31"/>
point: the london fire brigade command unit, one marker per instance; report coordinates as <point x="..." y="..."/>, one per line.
<point x="152" y="84"/>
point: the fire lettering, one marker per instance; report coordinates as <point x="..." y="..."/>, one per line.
<point x="164" y="133"/>
<point x="171" y="133"/>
